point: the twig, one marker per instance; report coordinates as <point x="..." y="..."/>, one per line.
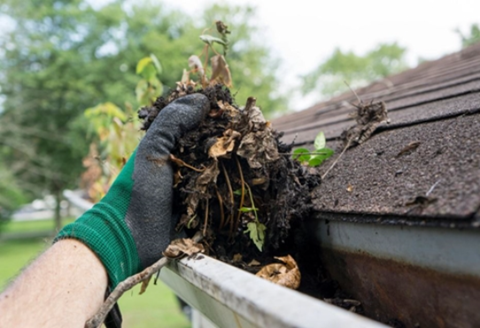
<point x="97" y="320"/>
<point x="337" y="159"/>
<point x="127" y="284"/>
<point x="358" y="98"/>
<point x="251" y="102"/>
<point x="227" y="179"/>
<point x="242" y="198"/>
<point x="432" y="187"/>
<point x="251" y="201"/>
<point x="179" y="162"/>
<point x="205" y="222"/>
<point x="220" y="204"/>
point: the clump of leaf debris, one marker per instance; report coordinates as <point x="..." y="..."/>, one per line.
<point x="235" y="180"/>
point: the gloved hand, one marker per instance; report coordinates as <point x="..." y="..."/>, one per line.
<point x="131" y="226"/>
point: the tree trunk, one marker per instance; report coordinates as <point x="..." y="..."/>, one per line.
<point x="58" y="215"/>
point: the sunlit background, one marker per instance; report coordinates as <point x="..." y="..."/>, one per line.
<point x="70" y="86"/>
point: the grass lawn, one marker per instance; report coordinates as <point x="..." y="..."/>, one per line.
<point x="30" y="226"/>
<point x="157" y="307"/>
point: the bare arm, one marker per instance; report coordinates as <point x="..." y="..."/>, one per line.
<point x="62" y="288"/>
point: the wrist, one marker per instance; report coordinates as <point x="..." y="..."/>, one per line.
<point x="104" y="230"/>
<point x="108" y="238"/>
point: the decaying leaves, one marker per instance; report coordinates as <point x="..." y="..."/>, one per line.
<point x="196" y="65"/>
<point x="368" y="118"/>
<point x="258" y="146"/>
<point x="258" y="193"/>
<point x="203" y="181"/>
<point x="237" y="258"/>
<point x="183" y="247"/>
<point x="253" y="263"/>
<point x="220" y="71"/>
<point x="285" y="274"/>
<point x="224" y="144"/>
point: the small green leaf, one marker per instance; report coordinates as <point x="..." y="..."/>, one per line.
<point x="149" y="72"/>
<point x="238" y="192"/>
<point x="327" y="152"/>
<point x="142" y="64"/>
<point x="209" y="39"/>
<point x="141" y="90"/>
<point x="301" y="154"/>
<point x="315" y="161"/>
<point x="157" y="85"/>
<point x="320" y="141"/>
<point x="321" y="155"/>
<point x="156" y="63"/>
<point x="248" y="209"/>
<point x="257" y="233"/>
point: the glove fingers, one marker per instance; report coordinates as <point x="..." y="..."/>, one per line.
<point x="149" y="215"/>
<point x="181" y="115"/>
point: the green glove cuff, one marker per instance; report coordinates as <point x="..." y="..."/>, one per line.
<point x="104" y="230"/>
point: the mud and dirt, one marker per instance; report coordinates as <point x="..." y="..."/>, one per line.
<point x="233" y="170"/>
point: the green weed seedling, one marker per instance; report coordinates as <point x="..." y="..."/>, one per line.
<point x="316" y="157"/>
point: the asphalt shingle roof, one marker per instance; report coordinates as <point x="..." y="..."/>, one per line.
<point x="437" y="107"/>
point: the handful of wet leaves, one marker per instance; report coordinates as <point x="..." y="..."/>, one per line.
<point x="236" y="182"/>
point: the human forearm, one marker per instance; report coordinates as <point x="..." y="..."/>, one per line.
<point x="62" y="288"/>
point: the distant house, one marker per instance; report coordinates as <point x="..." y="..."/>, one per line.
<point x="397" y="219"/>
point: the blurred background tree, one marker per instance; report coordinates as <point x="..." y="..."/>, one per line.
<point x="470" y="38"/>
<point x="329" y="78"/>
<point x="61" y="57"/>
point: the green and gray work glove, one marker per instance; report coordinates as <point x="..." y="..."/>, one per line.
<point x="131" y="226"/>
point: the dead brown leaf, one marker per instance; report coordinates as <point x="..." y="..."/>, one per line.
<point x="207" y="177"/>
<point x="285" y="274"/>
<point x="144" y="286"/>
<point x="220" y="71"/>
<point x="408" y="149"/>
<point x="253" y="263"/>
<point x="258" y="146"/>
<point x="224" y="144"/>
<point x="237" y="258"/>
<point x="226" y="107"/>
<point x="183" y="247"/>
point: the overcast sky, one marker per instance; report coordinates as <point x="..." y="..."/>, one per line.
<point x="303" y="33"/>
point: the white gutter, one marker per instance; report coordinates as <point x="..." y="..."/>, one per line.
<point x="231" y="297"/>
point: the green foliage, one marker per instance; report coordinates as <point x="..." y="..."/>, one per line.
<point x="316" y="157"/>
<point x="64" y="56"/>
<point x="256" y="232"/>
<point x="329" y="77"/>
<point x="255" y="229"/>
<point x="11" y="195"/>
<point x="248" y="209"/>
<point x="149" y="88"/>
<point x="210" y="40"/>
<point x="472" y="38"/>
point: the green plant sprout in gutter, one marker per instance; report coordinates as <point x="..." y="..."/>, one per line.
<point x="316" y="157"/>
<point x="255" y="228"/>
